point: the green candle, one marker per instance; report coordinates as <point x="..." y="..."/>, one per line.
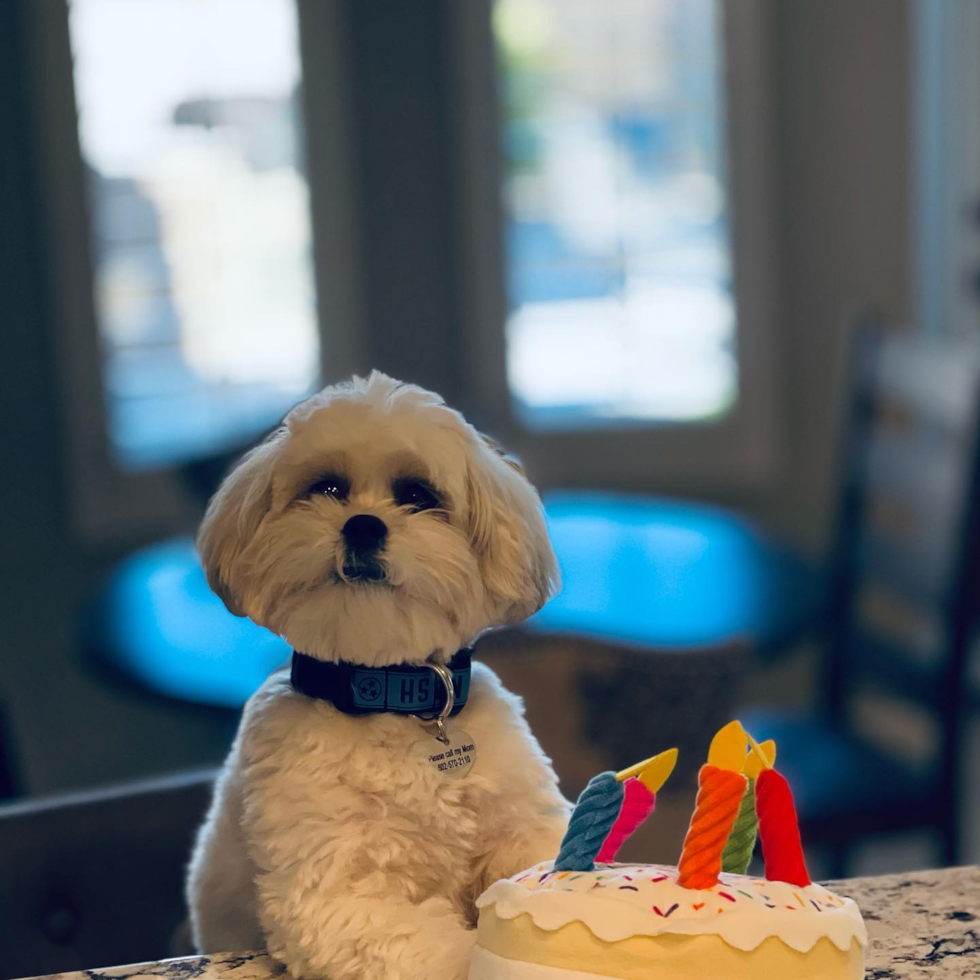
<point x="737" y="856"/>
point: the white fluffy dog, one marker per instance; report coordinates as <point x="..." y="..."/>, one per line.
<point x="376" y="528"/>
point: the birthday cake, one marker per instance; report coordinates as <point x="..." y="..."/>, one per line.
<point x="576" y="919"/>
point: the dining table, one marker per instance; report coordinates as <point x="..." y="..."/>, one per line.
<point x="922" y="925"/>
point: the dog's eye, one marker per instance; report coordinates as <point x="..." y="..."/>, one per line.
<point x="332" y="485"/>
<point x="416" y="494"/>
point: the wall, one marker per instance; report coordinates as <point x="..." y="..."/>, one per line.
<point x="68" y="727"/>
<point x="842" y="72"/>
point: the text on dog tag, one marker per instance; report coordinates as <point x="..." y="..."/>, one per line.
<point x="455" y="759"/>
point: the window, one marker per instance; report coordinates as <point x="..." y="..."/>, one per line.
<point x="619" y="239"/>
<point x="945" y="63"/>
<point x="568" y="171"/>
<point x="190" y="135"/>
<point x="617" y="252"/>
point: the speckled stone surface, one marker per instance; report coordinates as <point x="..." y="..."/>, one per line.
<point x="218" y="966"/>
<point x="922" y="926"/>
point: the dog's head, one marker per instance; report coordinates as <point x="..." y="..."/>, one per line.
<point x="376" y="525"/>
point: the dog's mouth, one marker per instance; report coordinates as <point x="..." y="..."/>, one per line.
<point x="362" y="573"/>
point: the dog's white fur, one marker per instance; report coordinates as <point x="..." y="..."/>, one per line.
<point x="331" y="839"/>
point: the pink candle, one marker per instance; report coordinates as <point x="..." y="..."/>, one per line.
<point x="638" y="804"/>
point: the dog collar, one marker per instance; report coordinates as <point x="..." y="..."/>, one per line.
<point x="403" y="689"/>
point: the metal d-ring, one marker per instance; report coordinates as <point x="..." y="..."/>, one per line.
<point x="439" y="720"/>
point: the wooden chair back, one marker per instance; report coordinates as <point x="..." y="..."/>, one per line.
<point x="905" y="581"/>
<point x="97" y="878"/>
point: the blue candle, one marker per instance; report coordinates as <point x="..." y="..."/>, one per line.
<point x="593" y="816"/>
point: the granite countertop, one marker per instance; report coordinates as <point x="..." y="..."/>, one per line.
<point x="922" y="926"/>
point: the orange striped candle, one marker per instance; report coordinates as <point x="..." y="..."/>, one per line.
<point x="720" y="793"/>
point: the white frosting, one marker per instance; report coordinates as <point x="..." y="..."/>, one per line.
<point x="617" y="901"/>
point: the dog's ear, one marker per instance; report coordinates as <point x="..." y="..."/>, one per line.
<point x="508" y="534"/>
<point x="232" y="518"/>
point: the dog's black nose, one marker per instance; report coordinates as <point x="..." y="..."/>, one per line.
<point x="365" y="533"/>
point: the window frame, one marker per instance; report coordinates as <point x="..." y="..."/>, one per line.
<point x="741" y="451"/>
<point x="945" y="79"/>
<point x="110" y="504"/>
<point x="106" y="503"/>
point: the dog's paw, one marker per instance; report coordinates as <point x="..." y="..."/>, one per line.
<point x="443" y="954"/>
<point x="411" y="941"/>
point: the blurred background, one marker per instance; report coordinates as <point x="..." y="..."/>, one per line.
<point x="710" y="269"/>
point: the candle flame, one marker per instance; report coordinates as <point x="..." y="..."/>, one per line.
<point x="760" y="757"/>
<point x="652" y="772"/>
<point x="728" y="747"/>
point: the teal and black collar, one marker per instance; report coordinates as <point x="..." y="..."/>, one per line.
<point x="402" y="689"/>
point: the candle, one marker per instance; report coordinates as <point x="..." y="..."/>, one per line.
<point x="638" y="804"/>
<point x="641" y="783"/>
<point x="737" y="855"/>
<point x="779" y="829"/>
<point x="594" y="814"/>
<point x="720" y="793"/>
